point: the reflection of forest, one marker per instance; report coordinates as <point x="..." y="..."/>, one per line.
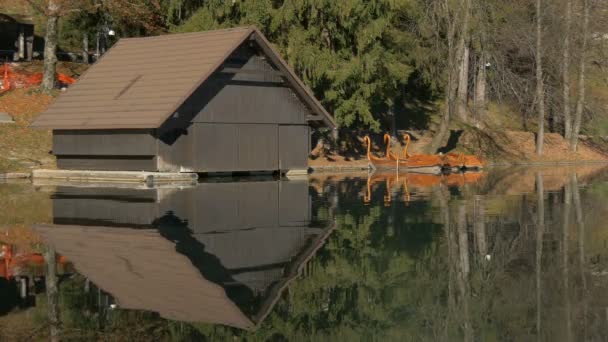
<point x="507" y="258"/>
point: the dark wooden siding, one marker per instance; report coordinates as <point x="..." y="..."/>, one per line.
<point x="257" y="147"/>
<point x="236" y="147"/>
<point x="294" y="204"/>
<point x="105" y="206"/>
<point x="252" y="102"/>
<point x="235" y="206"/>
<point x="294" y="147"/>
<point x="107" y="163"/>
<point x="215" y="147"/>
<point x="176" y="151"/>
<point x="252" y="91"/>
<point x="100" y="143"/>
<point x="207" y="208"/>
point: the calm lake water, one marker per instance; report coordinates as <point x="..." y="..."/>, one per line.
<point x="507" y="255"/>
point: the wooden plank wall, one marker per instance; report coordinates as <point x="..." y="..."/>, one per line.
<point x="246" y="119"/>
<point x="107" y="163"/>
<point x="104" y="143"/>
<point x="111" y="150"/>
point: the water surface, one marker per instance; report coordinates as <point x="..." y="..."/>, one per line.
<point x="509" y="255"/>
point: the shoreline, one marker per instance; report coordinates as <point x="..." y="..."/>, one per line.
<point x="358" y="167"/>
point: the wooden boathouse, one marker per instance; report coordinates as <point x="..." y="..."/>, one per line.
<point x="214" y="101"/>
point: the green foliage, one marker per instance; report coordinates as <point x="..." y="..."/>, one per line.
<point x="354" y="54"/>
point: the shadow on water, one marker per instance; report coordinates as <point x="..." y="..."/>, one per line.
<point x="210" y="266"/>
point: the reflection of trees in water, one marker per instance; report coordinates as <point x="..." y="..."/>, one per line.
<point x="52" y="294"/>
<point x="507" y="274"/>
<point x="459" y="265"/>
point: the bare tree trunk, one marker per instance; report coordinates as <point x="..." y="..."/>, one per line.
<point x="480" y="88"/>
<point x="21" y="42"/>
<point x="566" y="268"/>
<point x="580" y="104"/>
<point x="463" y="239"/>
<point x="85" y="48"/>
<point x="566" y="71"/>
<point x="540" y="87"/>
<point x="455" y="53"/>
<point x="97" y="45"/>
<point x="463" y="82"/>
<point x="444" y="198"/>
<point x="393" y="118"/>
<point x="463" y="269"/>
<point x="540" y="229"/>
<point x="50" y="45"/>
<point x="29" y="44"/>
<point x="52" y="293"/>
<point x="480" y="226"/>
<point x="580" y="223"/>
<point x="19" y="53"/>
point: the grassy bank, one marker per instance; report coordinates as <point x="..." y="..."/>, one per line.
<point x="22" y="148"/>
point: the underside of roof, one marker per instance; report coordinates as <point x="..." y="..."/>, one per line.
<point x="141" y="82"/>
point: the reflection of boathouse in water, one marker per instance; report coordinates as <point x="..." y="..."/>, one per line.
<point x="218" y="252"/>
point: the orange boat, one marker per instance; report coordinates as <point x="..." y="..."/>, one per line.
<point x="454" y="161"/>
<point x="463" y="161"/>
<point x="420" y="159"/>
<point x="389" y="154"/>
<point x="419" y="163"/>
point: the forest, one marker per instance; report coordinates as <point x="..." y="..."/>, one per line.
<point x="382" y="65"/>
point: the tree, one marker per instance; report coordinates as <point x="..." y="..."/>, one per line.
<point x="463" y="73"/>
<point x="540" y="88"/>
<point x="566" y="70"/>
<point x="452" y="25"/>
<point x="354" y="55"/>
<point x="53" y="10"/>
<point x="50" y="44"/>
<point x="580" y="104"/>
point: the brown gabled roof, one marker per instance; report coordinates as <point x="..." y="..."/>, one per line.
<point x="141" y="82"/>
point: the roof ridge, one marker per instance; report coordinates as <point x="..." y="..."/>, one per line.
<point x="195" y="33"/>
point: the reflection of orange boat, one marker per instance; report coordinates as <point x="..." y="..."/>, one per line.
<point x="413" y="164"/>
<point x="419" y="182"/>
<point x="460" y="179"/>
<point x="390" y="180"/>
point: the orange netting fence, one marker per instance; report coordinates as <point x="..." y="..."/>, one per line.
<point x="12" y="79"/>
